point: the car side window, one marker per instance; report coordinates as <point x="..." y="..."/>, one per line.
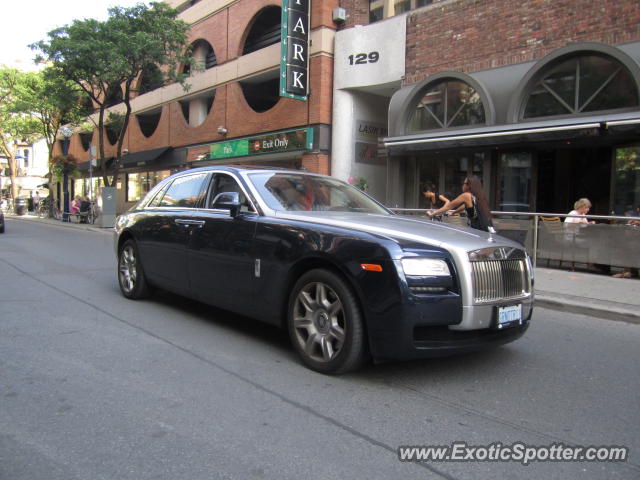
<point x="187" y="191"/>
<point x="157" y="196"/>
<point x="226" y="183"/>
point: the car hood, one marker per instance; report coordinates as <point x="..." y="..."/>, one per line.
<point x="397" y="227"/>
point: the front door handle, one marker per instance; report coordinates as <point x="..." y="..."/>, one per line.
<point x="190" y="223"/>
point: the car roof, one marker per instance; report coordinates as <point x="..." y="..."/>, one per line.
<point x="247" y="168"/>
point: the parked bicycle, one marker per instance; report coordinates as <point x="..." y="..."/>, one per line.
<point x="88" y="212"/>
<point x="44" y="207"/>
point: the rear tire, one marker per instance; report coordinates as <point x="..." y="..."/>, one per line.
<point x="325" y="323"/>
<point x="131" y="278"/>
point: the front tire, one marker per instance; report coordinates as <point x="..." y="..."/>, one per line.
<point x="131" y="278"/>
<point x="325" y="323"/>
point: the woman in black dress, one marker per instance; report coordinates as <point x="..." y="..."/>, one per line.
<point x="474" y="201"/>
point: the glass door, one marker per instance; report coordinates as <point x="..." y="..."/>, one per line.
<point x="514" y="190"/>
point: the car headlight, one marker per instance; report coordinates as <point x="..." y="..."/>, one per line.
<point x="425" y="267"/>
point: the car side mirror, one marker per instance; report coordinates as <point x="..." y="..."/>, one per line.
<point x="228" y="201"/>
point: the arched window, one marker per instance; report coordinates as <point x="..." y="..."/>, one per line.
<point x="579" y="84"/>
<point x="151" y="79"/>
<point x="203" y="56"/>
<point x="113" y="132"/>
<point x="262" y="92"/>
<point x="196" y="109"/>
<point x="265" y="30"/>
<point x="148" y="121"/>
<point x="85" y="140"/>
<point x="114" y="96"/>
<point x="448" y="103"/>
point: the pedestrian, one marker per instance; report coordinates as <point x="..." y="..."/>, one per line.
<point x="580" y="208"/>
<point x="473" y="200"/>
<point x="436" y="200"/>
<point x="36" y="201"/>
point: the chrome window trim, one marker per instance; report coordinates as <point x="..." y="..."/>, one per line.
<point x="249" y="198"/>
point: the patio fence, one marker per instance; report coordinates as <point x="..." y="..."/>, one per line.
<point x="613" y="242"/>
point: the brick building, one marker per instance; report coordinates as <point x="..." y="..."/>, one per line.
<point x="232" y="111"/>
<point x="540" y="99"/>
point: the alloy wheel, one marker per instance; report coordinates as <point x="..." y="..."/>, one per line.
<point x="128" y="269"/>
<point x="319" y="322"/>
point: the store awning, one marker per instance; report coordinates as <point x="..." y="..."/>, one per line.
<point x="144" y="158"/>
<point x="569" y="129"/>
<point x="84" y="166"/>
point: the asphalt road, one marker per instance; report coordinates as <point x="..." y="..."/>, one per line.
<point x="94" y="386"/>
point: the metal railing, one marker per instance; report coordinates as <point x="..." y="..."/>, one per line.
<point x="613" y="242"/>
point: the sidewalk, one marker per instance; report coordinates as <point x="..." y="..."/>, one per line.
<point x="30" y="217"/>
<point x="590" y="294"/>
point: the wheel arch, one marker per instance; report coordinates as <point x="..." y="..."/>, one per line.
<point x="318" y="262"/>
<point x="123" y="237"/>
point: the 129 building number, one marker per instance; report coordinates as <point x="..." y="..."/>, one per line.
<point x="364" y="58"/>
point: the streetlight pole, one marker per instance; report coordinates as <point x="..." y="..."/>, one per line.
<point x="66" y="133"/>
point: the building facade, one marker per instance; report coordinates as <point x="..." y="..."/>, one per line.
<point x="232" y="112"/>
<point x="32" y="167"/>
<point x="539" y="99"/>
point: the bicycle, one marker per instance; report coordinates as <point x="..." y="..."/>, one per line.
<point x="93" y="213"/>
<point x="89" y="214"/>
<point x="44" y="207"/>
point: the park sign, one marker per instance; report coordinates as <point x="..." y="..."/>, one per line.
<point x="290" y="140"/>
<point x="294" y="57"/>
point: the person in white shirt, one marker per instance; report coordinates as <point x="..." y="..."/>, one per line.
<point x="580" y="209"/>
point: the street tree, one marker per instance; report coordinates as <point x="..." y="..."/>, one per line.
<point x="16" y="127"/>
<point x="107" y="57"/>
<point x="53" y="101"/>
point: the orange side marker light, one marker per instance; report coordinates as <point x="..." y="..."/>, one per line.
<point x="371" y="267"/>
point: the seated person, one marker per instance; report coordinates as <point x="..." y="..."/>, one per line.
<point x="75" y="204"/>
<point x="85" y="206"/>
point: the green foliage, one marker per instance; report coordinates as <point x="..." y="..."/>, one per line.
<point x="97" y="55"/>
<point x="50" y="99"/>
<point x="61" y="164"/>
<point x="360" y="182"/>
<point x="16" y="125"/>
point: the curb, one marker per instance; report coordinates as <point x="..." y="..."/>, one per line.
<point x="606" y="311"/>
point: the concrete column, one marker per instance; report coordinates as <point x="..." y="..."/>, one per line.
<point x="197" y="111"/>
<point x="342" y="142"/>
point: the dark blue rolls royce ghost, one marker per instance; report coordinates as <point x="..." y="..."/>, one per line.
<point x="349" y="279"/>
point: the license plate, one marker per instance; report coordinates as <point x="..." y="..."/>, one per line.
<point x="507" y="316"/>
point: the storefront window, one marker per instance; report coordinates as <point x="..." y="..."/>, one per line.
<point x="584" y="84"/>
<point x="448" y="104"/>
<point x="86" y="187"/>
<point x="627" y="181"/>
<point x="138" y="184"/>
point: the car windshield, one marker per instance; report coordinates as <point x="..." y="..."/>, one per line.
<point x="286" y="191"/>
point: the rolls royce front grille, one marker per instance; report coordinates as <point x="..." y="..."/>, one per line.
<point x="495" y="280"/>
